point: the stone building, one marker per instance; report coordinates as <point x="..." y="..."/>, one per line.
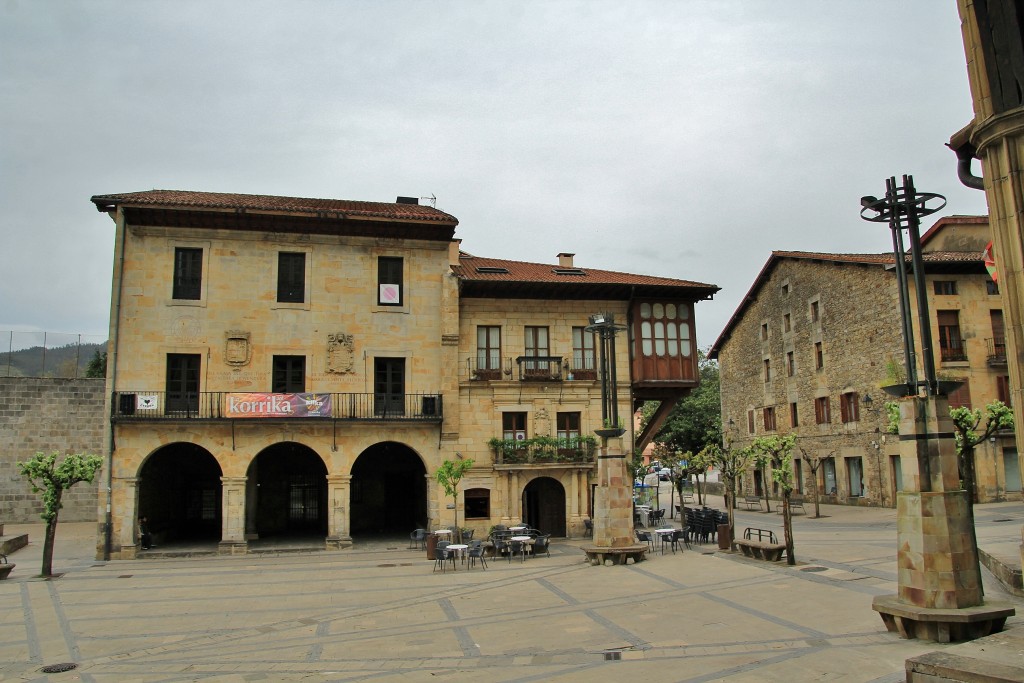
<point x="818" y="335"/>
<point x="286" y="367"/>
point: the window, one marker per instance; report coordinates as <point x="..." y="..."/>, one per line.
<point x="855" y="471"/>
<point x="183" y="382"/>
<point x="583" y="363"/>
<point x="790" y="364"/>
<point x="849" y="407"/>
<point x="951" y="344"/>
<point x="389" y="280"/>
<point x="819" y="356"/>
<point x="750" y="421"/>
<point x="767" y="370"/>
<point x="477" y="503"/>
<point x="794" y="419"/>
<point x="798" y="475"/>
<point x="945" y="287"/>
<point x="513" y="426"/>
<point x="665" y="330"/>
<point x="998" y="348"/>
<point x="787" y="323"/>
<point x="488" y="352"/>
<point x="822" y="411"/>
<point x="291" y="277"/>
<point x="961" y="398"/>
<point x="764" y="331"/>
<point x="567" y="425"/>
<point x="992" y="287"/>
<point x="815" y="312"/>
<point x="828" y="473"/>
<point x="769" y="419"/>
<point x="1003" y="389"/>
<point x="785" y="289"/>
<point x="536" y="346"/>
<point x="188" y="273"/>
<point x="289" y="376"/>
<point x="388" y="386"/>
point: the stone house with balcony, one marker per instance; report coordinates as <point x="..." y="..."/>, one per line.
<point x="299" y="368"/>
<point x="813" y="341"/>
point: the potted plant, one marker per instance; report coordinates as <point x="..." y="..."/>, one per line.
<point x="610" y="430"/>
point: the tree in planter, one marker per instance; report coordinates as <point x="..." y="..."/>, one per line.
<point x="965" y="431"/>
<point x="813" y="463"/>
<point x="448" y="475"/>
<point x="779" y="452"/>
<point x="731" y="463"/>
<point x="51" y="480"/>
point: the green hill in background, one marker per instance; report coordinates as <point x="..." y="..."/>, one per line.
<point x="70" y="360"/>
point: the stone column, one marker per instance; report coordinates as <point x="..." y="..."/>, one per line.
<point x="126" y="537"/>
<point x="232" y="535"/>
<point x="515" y="502"/>
<point x="433" y="509"/>
<point x="940" y="595"/>
<point x="613" y="505"/>
<point x="339" y="532"/>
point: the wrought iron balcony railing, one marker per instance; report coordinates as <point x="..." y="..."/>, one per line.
<point x="996" y="351"/>
<point x="215" y="405"/>
<point x="544" y="449"/>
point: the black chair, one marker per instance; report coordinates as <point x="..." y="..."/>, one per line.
<point x="442" y="555"/>
<point x="541" y="545"/>
<point x="476" y="552"/>
<point x="645" y="537"/>
<point x="418" y="539"/>
<point x="517" y="548"/>
<point x="588" y="528"/>
<point x="467" y="535"/>
<point x="677" y="536"/>
<point x="501" y="545"/>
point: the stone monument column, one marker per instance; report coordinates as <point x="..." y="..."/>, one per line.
<point x="613" y="503"/>
<point x="940" y="595"/>
<point x="232" y="533"/>
<point x="339" y="533"/>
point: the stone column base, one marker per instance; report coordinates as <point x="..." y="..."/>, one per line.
<point x="232" y="548"/>
<point x="941" y="625"/>
<point x="338" y="542"/>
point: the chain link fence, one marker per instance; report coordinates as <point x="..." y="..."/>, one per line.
<point x="50" y="354"/>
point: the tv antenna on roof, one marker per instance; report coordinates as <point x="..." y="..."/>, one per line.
<point x="432" y="199"/>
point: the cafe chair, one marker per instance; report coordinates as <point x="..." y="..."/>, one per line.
<point x="418" y="539"/>
<point x="541" y="545"/>
<point x="476" y="552"/>
<point x="442" y="555"/>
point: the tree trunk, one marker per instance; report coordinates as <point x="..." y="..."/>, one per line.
<point x="764" y="485"/>
<point x="787" y="528"/>
<point x="51" y="536"/>
<point x="814" y="487"/>
<point x="730" y="496"/>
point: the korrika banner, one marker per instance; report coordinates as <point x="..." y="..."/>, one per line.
<point x="277" y="405"/>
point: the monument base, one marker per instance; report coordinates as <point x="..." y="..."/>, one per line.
<point x="941" y="625"/>
<point x="598" y="554"/>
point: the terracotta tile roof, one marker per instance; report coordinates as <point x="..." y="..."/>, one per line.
<point x="937" y="258"/>
<point x="501" y="270"/>
<point x="257" y="203"/>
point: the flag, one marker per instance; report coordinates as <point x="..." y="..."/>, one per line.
<point x="990" y="262"/>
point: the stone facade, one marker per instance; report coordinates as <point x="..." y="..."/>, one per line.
<point x="44" y="415"/>
<point x="826" y="327"/>
<point x="403" y="381"/>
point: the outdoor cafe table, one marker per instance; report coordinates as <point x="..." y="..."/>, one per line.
<point x="663" y="535"/>
<point x="525" y="540"/>
<point x="459" y="549"/>
<point x="645" y="512"/>
<point x="521" y="527"/>
<point x="442" y="532"/>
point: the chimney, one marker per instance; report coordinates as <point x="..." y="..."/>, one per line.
<point x="453" y="252"/>
<point x="565" y="260"/>
<point x="407" y="200"/>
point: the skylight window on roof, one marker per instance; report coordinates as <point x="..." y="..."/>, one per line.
<point x="492" y="269"/>
<point x="568" y="271"/>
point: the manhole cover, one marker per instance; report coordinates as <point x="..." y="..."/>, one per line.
<point x="813" y="569"/>
<point x="58" y="668"/>
<point x="612" y="656"/>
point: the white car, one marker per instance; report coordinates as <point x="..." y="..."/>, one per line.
<point x="665" y="474"/>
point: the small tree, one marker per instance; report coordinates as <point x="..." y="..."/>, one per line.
<point x="731" y="463"/>
<point x="97" y="367"/>
<point x="965" y="428"/>
<point x="51" y="480"/>
<point x="813" y="463"/>
<point x="779" y="451"/>
<point x="448" y="475"/>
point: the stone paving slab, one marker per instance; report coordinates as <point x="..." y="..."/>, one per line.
<point x="378" y="612"/>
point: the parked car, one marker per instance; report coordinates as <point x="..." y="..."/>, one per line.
<point x="665" y="474"/>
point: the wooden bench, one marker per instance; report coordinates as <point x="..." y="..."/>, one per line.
<point x="761" y="550"/>
<point x="796" y="502"/>
<point x="751" y="501"/>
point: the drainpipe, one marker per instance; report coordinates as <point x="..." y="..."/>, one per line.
<point x="115" y="321"/>
<point x="965" y="154"/>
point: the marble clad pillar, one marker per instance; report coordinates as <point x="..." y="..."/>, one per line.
<point x="232" y="535"/>
<point x="338" y="520"/>
<point x="613" y="499"/>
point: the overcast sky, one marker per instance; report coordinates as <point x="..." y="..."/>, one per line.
<point x="683" y="139"/>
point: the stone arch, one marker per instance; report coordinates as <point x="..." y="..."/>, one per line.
<point x="388" y="492"/>
<point x="286" y="492"/>
<point x="544" y="505"/>
<point x="179" y="492"/>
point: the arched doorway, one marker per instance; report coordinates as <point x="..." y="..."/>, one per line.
<point x="286" y="493"/>
<point x="544" y="506"/>
<point x="180" y="493"/>
<point x="389" y="490"/>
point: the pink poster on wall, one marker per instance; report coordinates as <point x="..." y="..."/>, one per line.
<point x="277" y="405"/>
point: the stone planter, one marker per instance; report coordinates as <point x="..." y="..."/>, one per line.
<point x="5" y="569"/>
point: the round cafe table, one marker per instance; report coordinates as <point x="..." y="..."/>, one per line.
<point x="459" y="549"/>
<point x="663" y="535"/>
<point x="525" y="541"/>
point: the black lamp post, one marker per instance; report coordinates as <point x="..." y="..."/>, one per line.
<point x="901" y="208"/>
<point x="603" y="324"/>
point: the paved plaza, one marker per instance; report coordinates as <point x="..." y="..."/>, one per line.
<point x="379" y="613"/>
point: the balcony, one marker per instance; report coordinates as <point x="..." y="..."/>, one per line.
<point x="544" y="450"/>
<point x="996" y="357"/>
<point x="952" y="350"/>
<point x="539" y="368"/>
<point x="159" y="405"/>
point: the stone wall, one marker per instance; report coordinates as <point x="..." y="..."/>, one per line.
<point x="43" y="414"/>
